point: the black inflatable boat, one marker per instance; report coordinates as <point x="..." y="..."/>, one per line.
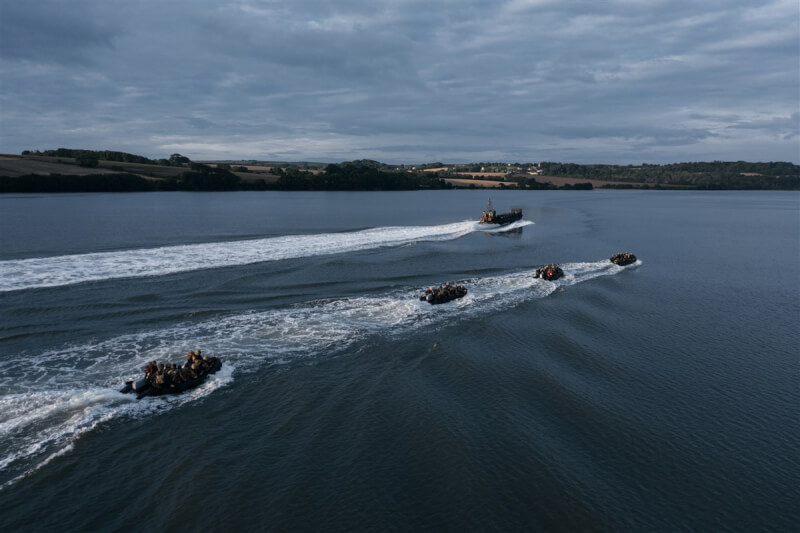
<point x="147" y="386"/>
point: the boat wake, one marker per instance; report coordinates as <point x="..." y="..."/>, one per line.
<point x="519" y="224"/>
<point x="51" y="399"/>
<point x="70" y="269"/>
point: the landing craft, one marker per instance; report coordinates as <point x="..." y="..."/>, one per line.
<point x="490" y="216"/>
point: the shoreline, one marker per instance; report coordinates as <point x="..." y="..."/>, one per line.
<point x="56" y="173"/>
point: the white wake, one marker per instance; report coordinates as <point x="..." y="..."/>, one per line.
<point x="69" y="269"/>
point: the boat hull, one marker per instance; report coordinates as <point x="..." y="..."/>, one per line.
<point x="501" y="219"/>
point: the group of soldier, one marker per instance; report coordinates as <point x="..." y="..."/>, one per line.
<point x="162" y="375"/>
<point x="549" y="272"/>
<point x="622" y="259"/>
<point x="444" y="293"/>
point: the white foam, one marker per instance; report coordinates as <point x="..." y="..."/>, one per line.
<point x="502" y="229"/>
<point x="45" y="424"/>
<point x="69" y="269"/>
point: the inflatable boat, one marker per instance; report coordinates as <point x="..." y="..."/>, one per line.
<point x="549" y="272"/>
<point x="443" y="294"/>
<point x="623" y="259"/>
<point x="147" y="386"/>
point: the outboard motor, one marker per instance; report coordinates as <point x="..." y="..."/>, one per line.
<point x="140" y="384"/>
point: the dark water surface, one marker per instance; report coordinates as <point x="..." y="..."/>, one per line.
<point x="662" y="396"/>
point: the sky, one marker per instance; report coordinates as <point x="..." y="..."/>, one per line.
<point x="405" y="81"/>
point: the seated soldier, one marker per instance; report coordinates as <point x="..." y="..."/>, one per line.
<point x="159" y="376"/>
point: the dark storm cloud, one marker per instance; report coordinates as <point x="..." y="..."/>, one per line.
<point x="52" y="31"/>
<point x="405" y="81"/>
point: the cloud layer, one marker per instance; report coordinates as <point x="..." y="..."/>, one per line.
<point x="623" y="81"/>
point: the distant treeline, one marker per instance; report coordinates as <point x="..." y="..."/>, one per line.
<point x="70" y="183"/>
<point x="356" y="177"/>
<point x="713" y="175"/>
<point x="90" y="158"/>
<point x="199" y="177"/>
<point x="370" y="175"/>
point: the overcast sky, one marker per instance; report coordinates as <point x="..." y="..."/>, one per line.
<point x="405" y="81"/>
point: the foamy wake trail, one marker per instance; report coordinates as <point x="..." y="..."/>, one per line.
<point x="50" y="399"/>
<point x="69" y="269"/>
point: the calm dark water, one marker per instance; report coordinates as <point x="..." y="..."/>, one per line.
<point x="663" y="396"/>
